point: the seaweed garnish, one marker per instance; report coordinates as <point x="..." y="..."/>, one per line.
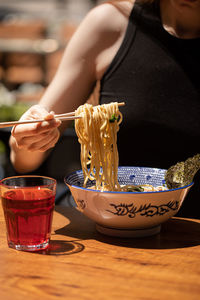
<point x="182" y="173"/>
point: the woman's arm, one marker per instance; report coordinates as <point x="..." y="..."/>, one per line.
<point x="85" y="59"/>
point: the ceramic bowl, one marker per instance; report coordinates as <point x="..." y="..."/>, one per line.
<point x="128" y="214"/>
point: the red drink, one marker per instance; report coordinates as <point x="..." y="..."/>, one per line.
<point x="28" y="214"/>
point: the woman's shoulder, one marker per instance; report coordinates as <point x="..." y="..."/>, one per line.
<point x="100" y="34"/>
<point x="110" y="15"/>
<point x="113" y="8"/>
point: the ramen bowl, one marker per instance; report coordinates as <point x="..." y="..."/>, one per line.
<point x="128" y="214"/>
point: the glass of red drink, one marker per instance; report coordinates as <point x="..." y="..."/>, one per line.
<point x="28" y="204"/>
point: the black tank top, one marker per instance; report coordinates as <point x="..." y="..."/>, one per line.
<point x="157" y="76"/>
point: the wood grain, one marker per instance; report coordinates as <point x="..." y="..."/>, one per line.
<point x="83" y="264"/>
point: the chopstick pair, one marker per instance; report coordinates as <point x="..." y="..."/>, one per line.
<point x="62" y="117"/>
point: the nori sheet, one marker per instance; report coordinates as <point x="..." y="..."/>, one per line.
<point x="182" y="173"/>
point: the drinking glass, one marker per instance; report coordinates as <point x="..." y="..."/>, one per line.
<point x="28" y="204"/>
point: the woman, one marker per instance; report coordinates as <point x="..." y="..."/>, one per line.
<point x="145" y="53"/>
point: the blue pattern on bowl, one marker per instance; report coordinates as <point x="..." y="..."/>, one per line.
<point x="126" y="175"/>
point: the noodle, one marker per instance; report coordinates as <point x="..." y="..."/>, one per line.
<point x="97" y="133"/>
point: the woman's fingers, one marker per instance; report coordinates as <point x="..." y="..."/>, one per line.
<point x="40" y="142"/>
<point x="34" y="128"/>
<point x="50" y="116"/>
<point x="37" y="136"/>
<point x="46" y="143"/>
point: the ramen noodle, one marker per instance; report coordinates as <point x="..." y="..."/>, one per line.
<point x="97" y="134"/>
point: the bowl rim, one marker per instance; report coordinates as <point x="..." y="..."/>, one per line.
<point x="120" y="192"/>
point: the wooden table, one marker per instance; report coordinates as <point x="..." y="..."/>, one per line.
<point x="83" y="264"/>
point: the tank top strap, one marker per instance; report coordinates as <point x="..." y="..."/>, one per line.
<point x="126" y="43"/>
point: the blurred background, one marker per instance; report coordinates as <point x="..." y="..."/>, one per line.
<point x="33" y="35"/>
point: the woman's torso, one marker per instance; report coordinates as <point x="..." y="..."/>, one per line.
<point x="157" y="76"/>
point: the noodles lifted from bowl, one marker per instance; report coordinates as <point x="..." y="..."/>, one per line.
<point x="97" y="133"/>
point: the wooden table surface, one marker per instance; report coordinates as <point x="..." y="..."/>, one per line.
<point x="83" y="264"/>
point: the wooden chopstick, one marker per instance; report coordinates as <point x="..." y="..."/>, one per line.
<point x="73" y="112"/>
<point x="62" y="117"/>
<point x="65" y="115"/>
<point x="12" y="123"/>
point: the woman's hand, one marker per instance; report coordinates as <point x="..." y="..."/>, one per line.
<point x="37" y="136"/>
